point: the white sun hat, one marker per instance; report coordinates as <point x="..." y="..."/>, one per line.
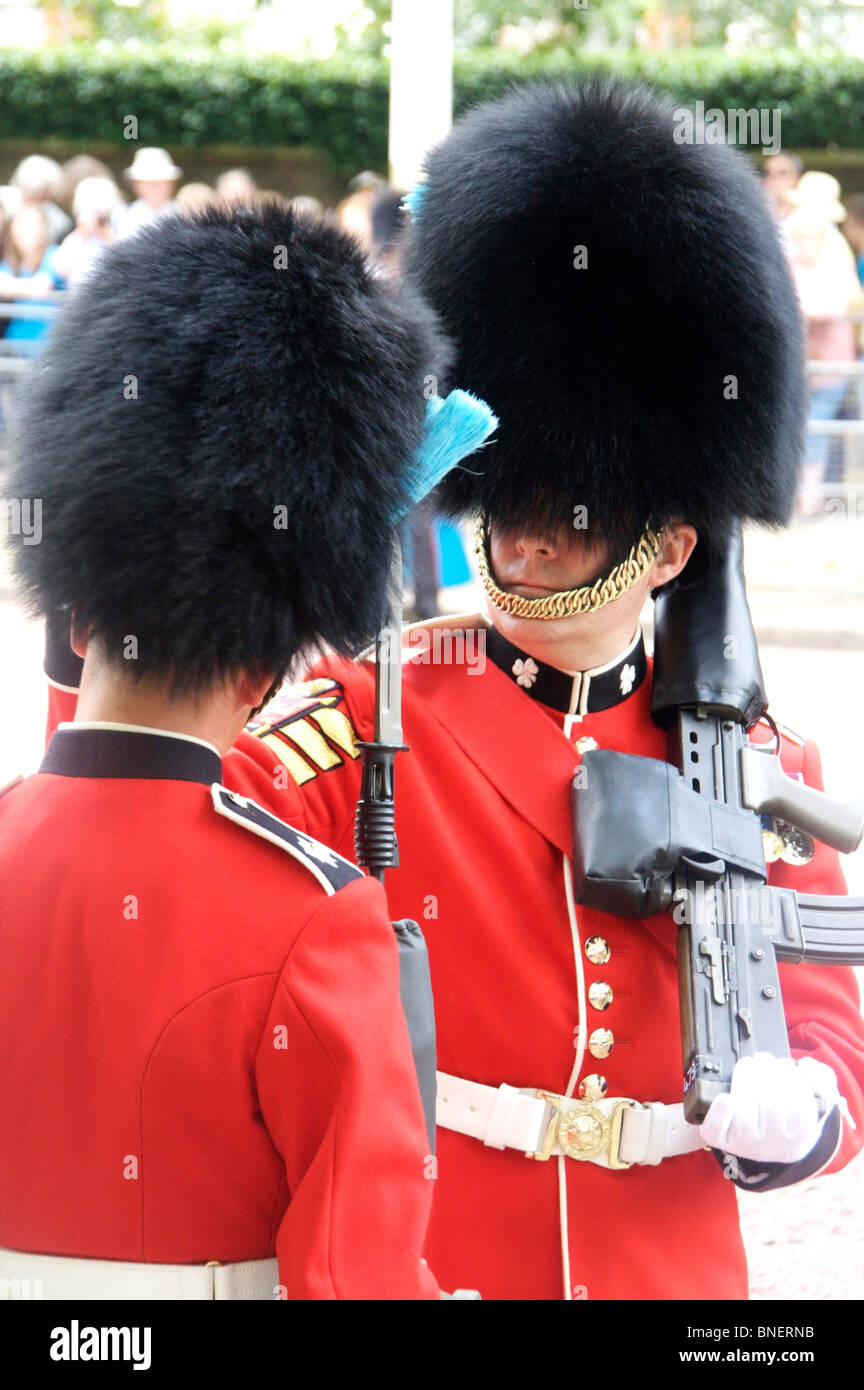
<point x="152" y="165"/>
<point x="818" y="195"/>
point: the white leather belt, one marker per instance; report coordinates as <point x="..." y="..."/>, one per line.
<point x="614" y="1132"/>
<point x="60" y="1276"/>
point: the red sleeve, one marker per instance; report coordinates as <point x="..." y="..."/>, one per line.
<point x="338" y="1092"/>
<point x="822" y="1002"/>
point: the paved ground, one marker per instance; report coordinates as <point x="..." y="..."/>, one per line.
<point x="807" y="1243"/>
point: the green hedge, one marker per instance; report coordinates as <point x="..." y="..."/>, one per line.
<point x="820" y="95"/>
<point x="185" y="99"/>
<point x="193" y="100"/>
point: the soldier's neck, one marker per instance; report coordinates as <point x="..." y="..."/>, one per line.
<point x="583" y="649"/>
<point x="107" y="697"/>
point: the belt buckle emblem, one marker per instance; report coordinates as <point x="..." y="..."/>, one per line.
<point x="582" y="1131"/>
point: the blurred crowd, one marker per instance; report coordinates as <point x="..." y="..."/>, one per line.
<point x="56" y="220"/>
<point x="824" y="241"/>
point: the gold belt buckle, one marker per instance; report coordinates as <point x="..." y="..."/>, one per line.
<point x="582" y="1131"/>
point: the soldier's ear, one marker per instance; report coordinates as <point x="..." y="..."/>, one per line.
<point x="677" y="543"/>
<point x="79" y="637"/>
<point x="256" y="689"/>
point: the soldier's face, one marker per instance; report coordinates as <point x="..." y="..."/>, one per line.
<point x="534" y="565"/>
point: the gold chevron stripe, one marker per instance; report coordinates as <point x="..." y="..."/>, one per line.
<point x="310" y="742"/>
<point x="300" y="771"/>
<point x="338" y="727"/>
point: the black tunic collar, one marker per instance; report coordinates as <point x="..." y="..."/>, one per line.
<point x="87" y="751"/>
<point x="571" y="692"/>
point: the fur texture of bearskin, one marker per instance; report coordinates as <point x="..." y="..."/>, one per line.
<point x="664" y="377"/>
<point x="218" y="432"/>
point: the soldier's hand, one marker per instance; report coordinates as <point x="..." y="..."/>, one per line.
<point x="775" y="1109"/>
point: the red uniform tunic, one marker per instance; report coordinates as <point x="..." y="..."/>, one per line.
<point x="484" y="827"/>
<point x="204" y="1051"/>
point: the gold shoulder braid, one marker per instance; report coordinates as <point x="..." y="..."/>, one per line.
<point x="569" y="602"/>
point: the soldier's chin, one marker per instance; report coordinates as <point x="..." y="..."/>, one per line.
<point x="523" y="631"/>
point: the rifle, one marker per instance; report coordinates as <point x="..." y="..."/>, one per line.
<point x="707" y="864"/>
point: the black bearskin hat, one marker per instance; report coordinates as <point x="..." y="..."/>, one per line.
<point x="218" y="433"/>
<point x="623" y="303"/>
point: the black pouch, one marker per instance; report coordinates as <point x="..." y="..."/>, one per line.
<point x="636" y="822"/>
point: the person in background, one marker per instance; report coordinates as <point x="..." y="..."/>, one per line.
<point x="367" y="181"/>
<point x="387" y="221"/>
<point x="6" y="214"/>
<point x="94" y="206"/>
<point x="273" y="198"/>
<point x="305" y="206"/>
<point x="153" y="176"/>
<point x="40" y="183"/>
<point x="780" y="175"/>
<point x="29" y="271"/>
<point x="195" y="197"/>
<point x="80" y="167"/>
<point x="237" y="187"/>
<point x="6" y="385"/>
<point x="354" y="213"/>
<point x="828" y="289"/>
<point x="853" y="230"/>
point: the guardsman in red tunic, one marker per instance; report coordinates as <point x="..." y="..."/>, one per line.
<point x="206" y="1064"/>
<point x="621" y="301"/>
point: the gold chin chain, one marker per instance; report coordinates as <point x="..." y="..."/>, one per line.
<point x="568" y="603"/>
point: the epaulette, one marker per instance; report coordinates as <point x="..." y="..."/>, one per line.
<point x="304" y="726"/>
<point x="329" y="868"/>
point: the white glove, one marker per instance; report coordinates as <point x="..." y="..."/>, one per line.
<point x="774" y="1111"/>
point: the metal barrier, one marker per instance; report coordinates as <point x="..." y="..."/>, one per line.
<point x="46" y="308"/>
<point x="832" y="475"/>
